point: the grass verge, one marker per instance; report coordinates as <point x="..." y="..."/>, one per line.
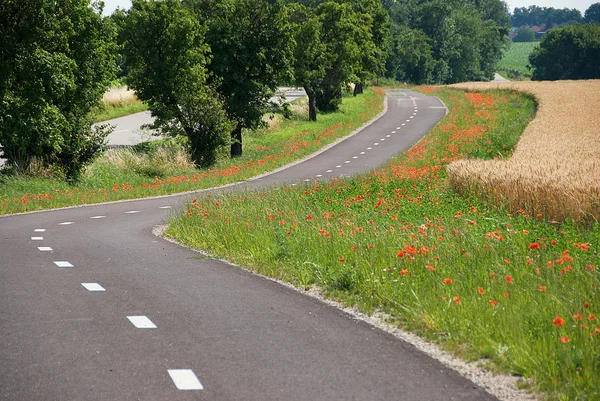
<point x="264" y="150"/>
<point x="506" y="288"/>
<point x="110" y="111"/>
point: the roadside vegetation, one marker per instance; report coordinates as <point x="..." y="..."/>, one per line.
<point x="117" y="102"/>
<point x="554" y="170"/>
<point x="505" y="287"/>
<point x="165" y="167"/>
<point x="515" y="62"/>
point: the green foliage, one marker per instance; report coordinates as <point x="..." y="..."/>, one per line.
<point x="411" y="58"/>
<point x="568" y="53"/>
<point x="524" y="35"/>
<point x="452" y="41"/>
<point x="592" y="14"/>
<point x="547" y="16"/>
<point x="343" y="32"/>
<point x="56" y="61"/>
<point x="166" y="54"/>
<point x="250" y="43"/>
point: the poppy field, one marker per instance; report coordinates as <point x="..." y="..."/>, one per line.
<point x="264" y="150"/>
<point x="506" y="287"/>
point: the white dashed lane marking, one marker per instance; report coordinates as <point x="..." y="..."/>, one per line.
<point x="93" y="287"/>
<point x="362" y="153"/>
<point x="66" y="223"/>
<point x="141" y="322"/>
<point x="319" y="176"/>
<point x="355" y="157"/>
<point x="369" y="148"/>
<point x="37" y="238"/>
<point x="62" y="263"/>
<point x="330" y="171"/>
<point x="132" y="212"/>
<point x="347" y="161"/>
<point x="185" y="379"/>
<point x="165" y="207"/>
<point x="45" y="248"/>
<point x="97" y="217"/>
<point x="39" y="230"/>
<point x="338" y="166"/>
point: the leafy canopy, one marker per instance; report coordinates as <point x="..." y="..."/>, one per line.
<point x="56" y="61"/>
<point x="166" y="55"/>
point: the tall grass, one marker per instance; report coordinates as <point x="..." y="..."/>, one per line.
<point x="118" y="102"/>
<point x="487" y="284"/>
<point x="555" y="169"/>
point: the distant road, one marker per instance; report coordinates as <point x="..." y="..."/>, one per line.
<point x="128" y="129"/>
<point x="500" y="78"/>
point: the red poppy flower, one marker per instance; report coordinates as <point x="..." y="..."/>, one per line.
<point x="342" y="260"/>
<point x="534" y="245"/>
<point x="480" y="291"/>
<point x="508" y="279"/>
<point x="558" y="321"/>
<point x="564" y="340"/>
<point x="404" y="272"/>
<point x="447" y="281"/>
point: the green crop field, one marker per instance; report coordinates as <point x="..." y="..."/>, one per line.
<point x="514" y="63"/>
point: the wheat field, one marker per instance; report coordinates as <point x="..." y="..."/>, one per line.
<point x="555" y="168"/>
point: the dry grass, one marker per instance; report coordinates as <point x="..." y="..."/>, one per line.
<point x="161" y="162"/>
<point x="555" y="169"/>
<point x="119" y="97"/>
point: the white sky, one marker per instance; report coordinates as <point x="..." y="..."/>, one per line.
<point x="581" y="5"/>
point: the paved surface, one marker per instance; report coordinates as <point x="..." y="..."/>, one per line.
<point x="500" y="78"/>
<point x="169" y="320"/>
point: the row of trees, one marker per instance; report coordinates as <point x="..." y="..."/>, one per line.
<point x="570" y="52"/>
<point x="207" y="68"/>
<point x="441" y="41"/>
<point x="551" y="17"/>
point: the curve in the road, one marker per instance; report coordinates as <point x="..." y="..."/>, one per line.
<point x="94" y="306"/>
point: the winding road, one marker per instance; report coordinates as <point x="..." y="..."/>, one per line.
<point x="93" y="306"/>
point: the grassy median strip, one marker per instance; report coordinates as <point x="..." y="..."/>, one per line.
<point x="163" y="168"/>
<point x="504" y="287"/>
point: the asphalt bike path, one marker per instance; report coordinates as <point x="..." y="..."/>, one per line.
<point x="94" y="306"/>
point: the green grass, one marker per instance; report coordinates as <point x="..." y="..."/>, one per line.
<point x="482" y="282"/>
<point x="515" y="61"/>
<point x="264" y="150"/>
<point x="110" y="111"/>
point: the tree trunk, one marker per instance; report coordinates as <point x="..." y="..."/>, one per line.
<point x="358" y="89"/>
<point x="312" y="104"/>
<point x="236" y="141"/>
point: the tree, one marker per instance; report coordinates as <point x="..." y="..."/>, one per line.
<point x="311" y="60"/>
<point x="56" y="61"/>
<point x="524" y="35"/>
<point x="343" y="32"/>
<point x="166" y="55"/>
<point x="592" y="14"/>
<point x="411" y="58"/>
<point x="373" y="52"/>
<point x="251" y="49"/>
<point x="571" y="52"/>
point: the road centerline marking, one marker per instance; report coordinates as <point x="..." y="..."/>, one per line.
<point x="39" y="230"/>
<point x="37" y="238"/>
<point x="44" y="249"/>
<point x="66" y="223"/>
<point x="132" y="212"/>
<point x="185" y="379"/>
<point x="97" y="217"/>
<point x="141" y="322"/>
<point x="63" y="263"/>
<point x="93" y="287"/>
